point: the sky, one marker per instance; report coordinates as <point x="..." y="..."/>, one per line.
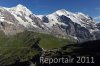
<point x="88" y="7"/>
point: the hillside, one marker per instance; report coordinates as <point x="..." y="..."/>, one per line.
<point x="25" y="36"/>
<point x="50" y="42"/>
<point x="90" y="49"/>
<point x="17" y="48"/>
<point x="24" y="46"/>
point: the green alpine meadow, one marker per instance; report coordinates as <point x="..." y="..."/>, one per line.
<point x="21" y="46"/>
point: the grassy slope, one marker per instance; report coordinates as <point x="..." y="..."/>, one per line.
<point x="50" y="42"/>
<point x="18" y="47"/>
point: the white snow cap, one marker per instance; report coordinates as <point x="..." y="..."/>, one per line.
<point x="62" y="12"/>
<point x="75" y="17"/>
<point x="19" y="9"/>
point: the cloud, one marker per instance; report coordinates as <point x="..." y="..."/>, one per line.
<point x="97" y="18"/>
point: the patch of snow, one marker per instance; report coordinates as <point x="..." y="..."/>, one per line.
<point x="75" y="38"/>
<point x="91" y="30"/>
<point x="34" y="25"/>
<point x="81" y="15"/>
<point x="29" y="19"/>
<point x="40" y="16"/>
<point x="48" y="24"/>
<point x="26" y="24"/>
<point x="21" y="21"/>
<point x="1" y="17"/>
<point x="8" y="22"/>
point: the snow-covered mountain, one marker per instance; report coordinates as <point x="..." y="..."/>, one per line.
<point x="62" y="23"/>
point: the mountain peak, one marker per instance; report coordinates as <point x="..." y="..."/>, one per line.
<point x="80" y="14"/>
<point x="20" y="8"/>
<point x="61" y="22"/>
<point x="20" y="5"/>
<point x="63" y="12"/>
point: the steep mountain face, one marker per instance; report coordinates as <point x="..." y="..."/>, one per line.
<point x="8" y="23"/>
<point x="62" y="23"/>
<point x="79" y="26"/>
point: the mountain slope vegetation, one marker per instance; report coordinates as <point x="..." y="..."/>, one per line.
<point x="24" y="46"/>
<point x="50" y="42"/>
<point x="19" y="47"/>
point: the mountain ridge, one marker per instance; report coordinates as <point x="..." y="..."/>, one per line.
<point x="61" y="23"/>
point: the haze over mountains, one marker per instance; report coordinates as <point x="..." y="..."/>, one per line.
<point x="62" y="23"/>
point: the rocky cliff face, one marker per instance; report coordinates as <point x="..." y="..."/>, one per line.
<point x="78" y="26"/>
<point x="8" y="23"/>
<point x="62" y="23"/>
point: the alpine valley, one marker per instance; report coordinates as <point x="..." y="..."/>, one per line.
<point x="25" y="36"/>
